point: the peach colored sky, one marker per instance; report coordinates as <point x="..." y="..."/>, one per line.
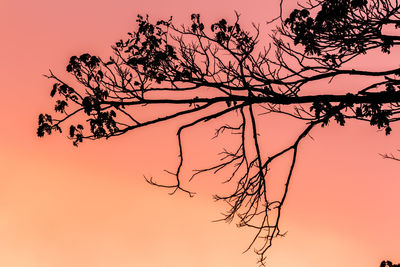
<point x="63" y="206"/>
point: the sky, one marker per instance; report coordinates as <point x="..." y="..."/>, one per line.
<point x="90" y="206"/>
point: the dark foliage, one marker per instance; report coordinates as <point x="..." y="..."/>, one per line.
<point x="388" y="264"/>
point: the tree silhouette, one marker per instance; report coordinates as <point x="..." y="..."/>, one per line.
<point x="388" y="264"/>
<point x="221" y="71"/>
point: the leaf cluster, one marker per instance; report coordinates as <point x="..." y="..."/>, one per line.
<point x="336" y="29"/>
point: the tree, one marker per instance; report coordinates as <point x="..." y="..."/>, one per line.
<point x="222" y="71"/>
<point x="389" y="264"/>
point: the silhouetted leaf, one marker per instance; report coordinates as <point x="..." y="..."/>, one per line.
<point x="100" y="73"/>
<point x="388" y="130"/>
<point x="84" y="57"/>
<point x="54" y="90"/>
<point x="72" y="131"/>
<point x="41" y="119"/>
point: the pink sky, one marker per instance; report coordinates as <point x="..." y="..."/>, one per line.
<point x="90" y="206"/>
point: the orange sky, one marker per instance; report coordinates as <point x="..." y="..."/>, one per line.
<point x="90" y="206"/>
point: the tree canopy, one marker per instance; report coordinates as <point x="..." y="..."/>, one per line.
<point x="213" y="71"/>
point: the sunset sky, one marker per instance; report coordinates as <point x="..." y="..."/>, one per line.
<point x="62" y="206"/>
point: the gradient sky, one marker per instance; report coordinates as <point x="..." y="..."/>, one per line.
<point x="90" y="206"/>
